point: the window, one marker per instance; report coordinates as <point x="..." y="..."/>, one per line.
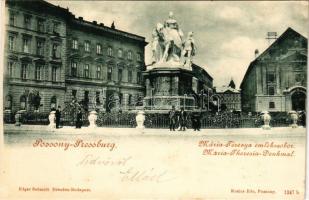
<point x="271" y="104"/>
<point x="139" y="77"/>
<point x="99" y="49"/>
<point x="37" y="74"/>
<point x="40" y="48"/>
<point x="53" y="102"/>
<point x="129" y="76"/>
<point x="10" y="68"/>
<point x="86" y="71"/>
<point x="54" y="73"/>
<point x="271" y="77"/>
<point x="23" y="102"/>
<point x="27" y="21"/>
<point x="97" y="97"/>
<point x="74" y="92"/>
<point x="99" y="72"/>
<point x="120" y="98"/>
<point x="130" y="55"/>
<point x="73" y="69"/>
<point x="87" y="46"/>
<point x="74" y="44"/>
<point x="138" y="57"/>
<point x="8" y="102"/>
<point x="56" y="51"/>
<point x="26" y="43"/>
<point x="109" y="51"/>
<point x="40" y="25"/>
<point x="11" y="42"/>
<point x="130" y="99"/>
<point x="56" y="27"/>
<point x="120" y="53"/>
<point x="23" y="72"/>
<point x="12" y="19"/>
<point x="271" y="90"/>
<point x="119" y="75"/>
<point x="109" y="73"/>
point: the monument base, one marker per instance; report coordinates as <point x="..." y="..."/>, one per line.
<point x="167" y="87"/>
<point x="166" y="102"/>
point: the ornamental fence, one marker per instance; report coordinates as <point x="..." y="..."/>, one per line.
<point x="155" y="120"/>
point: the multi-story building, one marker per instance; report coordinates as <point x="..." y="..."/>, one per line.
<point x="228" y="97"/>
<point x="276" y="80"/>
<point x="104" y="66"/>
<point x="51" y="58"/>
<point x="35" y="55"/>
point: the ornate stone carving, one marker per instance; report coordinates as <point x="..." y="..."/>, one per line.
<point x="169" y="48"/>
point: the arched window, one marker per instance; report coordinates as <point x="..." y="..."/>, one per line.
<point x="53" y="102"/>
<point x="23" y="101"/>
<point x="8" y="102"/>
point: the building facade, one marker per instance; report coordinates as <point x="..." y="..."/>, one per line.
<point x="104" y="66"/>
<point x="53" y="58"/>
<point x="229" y="99"/>
<point x="35" y="56"/>
<point x="276" y="80"/>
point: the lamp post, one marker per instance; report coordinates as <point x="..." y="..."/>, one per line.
<point x="151" y="98"/>
<point x="184" y="101"/>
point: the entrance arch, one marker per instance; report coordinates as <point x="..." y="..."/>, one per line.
<point x="298" y="99"/>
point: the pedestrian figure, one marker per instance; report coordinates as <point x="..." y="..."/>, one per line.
<point x="196" y="121"/>
<point x="58" y="116"/>
<point x="172" y="118"/>
<point x="182" y="118"/>
<point x="79" y="117"/>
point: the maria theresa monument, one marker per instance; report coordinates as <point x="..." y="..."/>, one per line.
<point x="169" y="77"/>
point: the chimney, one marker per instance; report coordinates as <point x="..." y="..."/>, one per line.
<point x="101" y="24"/>
<point x="95" y="22"/>
<point x="80" y="18"/>
<point x="256" y="53"/>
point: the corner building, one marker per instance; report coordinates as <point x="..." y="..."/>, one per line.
<point x="276" y="80"/>
<point x="53" y="58"/>
<point x="34" y="55"/>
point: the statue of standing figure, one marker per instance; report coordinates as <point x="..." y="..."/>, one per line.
<point x="168" y="46"/>
<point x="188" y="51"/>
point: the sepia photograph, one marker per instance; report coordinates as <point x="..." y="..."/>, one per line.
<point x="153" y="99"/>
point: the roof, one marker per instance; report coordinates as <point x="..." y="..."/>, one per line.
<point x="45" y="6"/>
<point x="226" y="89"/>
<point x="195" y="66"/>
<point x="282" y="37"/>
<point x="102" y="27"/>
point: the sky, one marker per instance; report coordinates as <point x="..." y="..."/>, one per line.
<point x="226" y="33"/>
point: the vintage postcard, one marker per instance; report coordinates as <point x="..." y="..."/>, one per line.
<point x="153" y="99"/>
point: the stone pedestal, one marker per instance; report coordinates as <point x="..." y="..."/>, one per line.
<point x="166" y="87"/>
<point x="52" y="120"/>
<point x="92" y="119"/>
<point x="18" y="118"/>
<point x="294" y="117"/>
<point x="140" y="119"/>
<point x="266" y="119"/>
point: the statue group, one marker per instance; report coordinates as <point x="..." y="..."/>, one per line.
<point x="169" y="47"/>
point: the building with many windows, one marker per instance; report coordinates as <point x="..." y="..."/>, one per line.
<point x="104" y="66"/>
<point x="276" y="80"/>
<point x="52" y="58"/>
<point x="228" y="98"/>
